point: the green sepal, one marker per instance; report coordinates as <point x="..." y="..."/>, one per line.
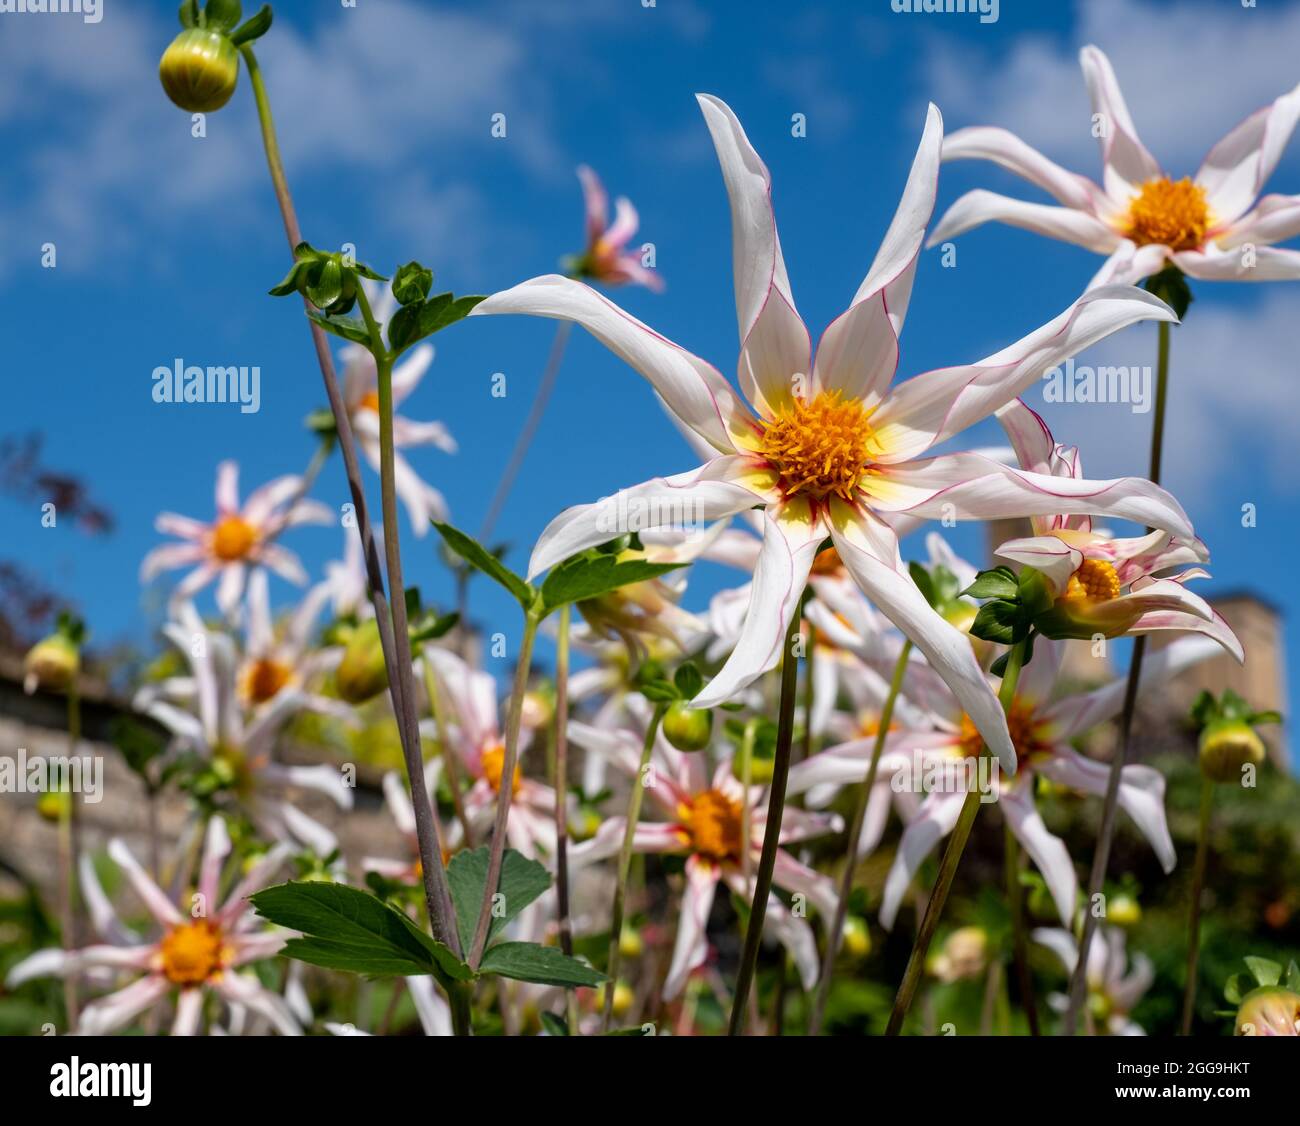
<point x="253" y="28"/>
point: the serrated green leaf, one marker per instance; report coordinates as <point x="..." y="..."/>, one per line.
<point x="349" y="929"/>
<point x="999" y="582"/>
<point x="522" y="881"/>
<point x="478" y="557"/>
<point x="544" y="965"/>
<point x="349" y="328"/>
<point x="590" y="576"/>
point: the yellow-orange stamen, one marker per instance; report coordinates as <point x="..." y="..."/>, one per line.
<point x="494" y="763"/>
<point x="712" y="821"/>
<point x="264" y="678"/>
<point x="1022" y="726"/>
<point x="233" y="538"/>
<point x="819" y="447"/>
<point x="369" y="401"/>
<point x="1094" y="581"/>
<point x="1172" y="213"/>
<point x="192" y="952"/>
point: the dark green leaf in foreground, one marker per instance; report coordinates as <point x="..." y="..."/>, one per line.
<point x="545" y="965"/>
<point x="522" y="880"/>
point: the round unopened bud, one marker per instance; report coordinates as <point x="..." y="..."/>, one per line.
<point x="623" y="997"/>
<point x="53" y="805"/>
<point x="630" y="943"/>
<point x="199" y="70"/>
<point x="687" y="728"/>
<point x="761" y="766"/>
<point x="1226" y="746"/>
<point x="857" y="938"/>
<point x="362" y="674"/>
<point x="1269" y="1011"/>
<point x="51" y="664"/>
<point x="1124" y="910"/>
<point x="539" y="708"/>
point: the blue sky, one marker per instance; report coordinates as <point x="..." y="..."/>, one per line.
<point x="167" y="243"/>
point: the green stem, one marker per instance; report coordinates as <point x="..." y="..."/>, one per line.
<point x="561" y="783"/>
<point x="505" y="792"/>
<point x="1194" y="911"/>
<point x="442" y="913"/>
<point x="458" y="997"/>
<point x="450" y="761"/>
<point x="1110" y="806"/>
<point x="855" y="835"/>
<point x="625" y="864"/>
<point x="72" y="842"/>
<point x="772" y="828"/>
<point x="1019" y="940"/>
<point x="948" y="865"/>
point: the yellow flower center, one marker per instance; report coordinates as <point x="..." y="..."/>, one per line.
<point x="192" y="952"/>
<point x="1095" y="581"/>
<point x="712" y="821"/>
<point x="494" y="762"/>
<point x="369" y="401"/>
<point x="819" y="447"/>
<point x="1021" y="725"/>
<point x="264" y="678"/>
<point x="1171" y="213"/>
<point x="233" y="538"/>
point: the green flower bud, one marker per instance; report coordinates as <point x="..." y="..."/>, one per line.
<point x="54" y="805"/>
<point x="762" y="762"/>
<point x="1269" y="1011"/>
<point x="362" y="674"/>
<point x="857" y="938"/>
<point x="199" y="70"/>
<point x="1124" y="910"/>
<point x="51" y="664"/>
<point x="688" y="728"/>
<point x="1226" y="746"/>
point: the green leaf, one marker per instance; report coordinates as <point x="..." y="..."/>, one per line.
<point x="590" y="576"/>
<point x="921" y="577"/>
<point x="328" y="287"/>
<point x="555" y="1025"/>
<point x="404" y="327"/>
<point x="544" y="965"/>
<point x="437" y="313"/>
<point x="348" y="929"/>
<point x="1233" y="991"/>
<point x="253" y="28"/>
<point x="1034" y="592"/>
<point x="1264" y="971"/>
<point x="222" y="13"/>
<point x="412" y="283"/>
<point x="689" y="680"/>
<point x="349" y="328"/>
<point x="522" y="880"/>
<point x="1000" y="582"/>
<point x="296" y="277"/>
<point x="189" y="13"/>
<point x="998" y="621"/>
<point x="659" y="692"/>
<point x="947" y="587"/>
<point x="1293" y="977"/>
<point x="478" y="557"/>
<point x="1256" y="718"/>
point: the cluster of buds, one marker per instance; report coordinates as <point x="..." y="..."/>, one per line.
<point x="200" y="70"/>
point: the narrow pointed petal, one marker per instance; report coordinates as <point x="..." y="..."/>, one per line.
<point x="935" y="820"/>
<point x="1236" y="169"/>
<point x="980" y="206"/>
<point x="1006" y="149"/>
<point x="1127" y="163"/>
<point x="1048" y="852"/>
<point x="692" y="945"/>
<point x="151" y="895"/>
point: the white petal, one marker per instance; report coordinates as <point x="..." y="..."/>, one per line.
<point x="1236" y="169"/>
<point x="1127" y="163"/>
<point x="935" y="820"/>
<point x="1048" y="852"/>
<point x="1006" y="149"/>
<point x="979" y="206"/>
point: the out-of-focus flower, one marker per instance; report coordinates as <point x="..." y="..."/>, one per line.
<point x="963" y="955"/>
<point x="607" y="258"/>
<point x="1213" y="226"/>
<point x="200" y="949"/>
<point x="829" y="448"/>
<point x="1103" y="585"/>
<point x="205" y="714"/>
<point x="1113" y="989"/>
<point x="238" y="540"/>
<point x="423" y="502"/>
<point x="704" y="822"/>
<point x="273" y="660"/>
<point x="54" y="662"/>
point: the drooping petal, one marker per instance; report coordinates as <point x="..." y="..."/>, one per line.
<point x="1236" y="169"/>
<point x="246" y="990"/>
<point x="1128" y="264"/>
<point x="791" y="538"/>
<point x="869" y="549"/>
<point x="936" y="818"/>
<point x="693" y="390"/>
<point x="117" y="1010"/>
<point x="714" y="491"/>
<point x="935" y="405"/>
<point x="1048" y="852"/>
<point x="189" y="1011"/>
<point x="1275" y="218"/>
<point x="1065" y="223"/>
<point x="1051" y="555"/>
<point x="692" y="945"/>
<point x="1262" y="263"/>
<point x="1127" y="164"/>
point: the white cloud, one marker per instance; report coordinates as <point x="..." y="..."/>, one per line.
<point x="1189" y="73"/>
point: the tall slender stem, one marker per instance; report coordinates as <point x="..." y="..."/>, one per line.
<point x="1019" y="940"/>
<point x="450" y="762"/>
<point x="505" y="791"/>
<point x="625" y="864"/>
<point x="1194" y="911"/>
<point x="1110" y="806"/>
<point x="948" y="865"/>
<point x="437" y="893"/>
<point x="855" y="836"/>
<point x="561" y="783"/>
<point x="772" y="827"/>
<point x="400" y="681"/>
<point x="531" y="423"/>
